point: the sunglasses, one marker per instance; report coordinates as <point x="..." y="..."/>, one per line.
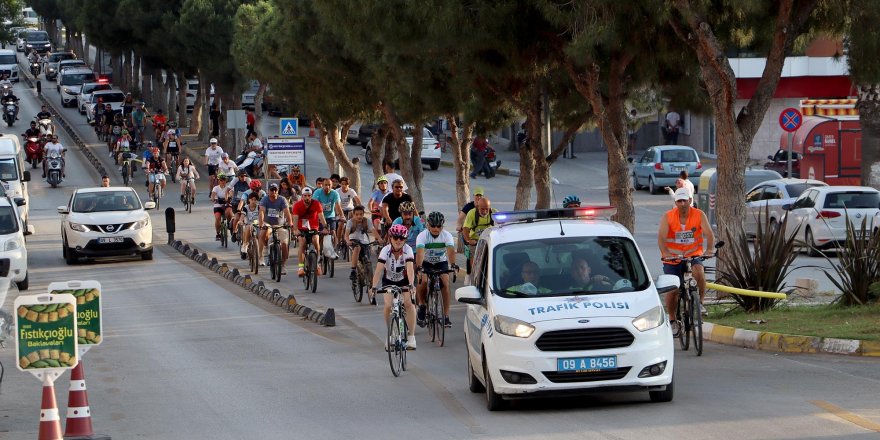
<point x="273" y="189"/>
<point x="397" y="187"/>
<point x="398" y="238"/>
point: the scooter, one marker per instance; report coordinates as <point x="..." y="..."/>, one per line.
<point x="10" y="109"/>
<point x="34" y="151"/>
<point x="53" y="170"/>
<point x="46" y="127"/>
<point x="494" y="164"/>
<point x="35" y="68"/>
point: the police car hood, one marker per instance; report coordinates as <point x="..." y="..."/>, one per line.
<point x="618" y="304"/>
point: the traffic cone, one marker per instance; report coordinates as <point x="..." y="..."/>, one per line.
<point x="79" y="416"/>
<point x="312" y="129"/>
<point x="50" y="422"/>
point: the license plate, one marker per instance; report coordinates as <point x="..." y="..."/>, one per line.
<point x="586" y="364"/>
<point x="110" y="240"/>
<point x="492" y="164"/>
<point x="680" y="169"/>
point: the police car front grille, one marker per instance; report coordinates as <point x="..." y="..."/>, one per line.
<point x="585" y="339"/>
<point x="590" y="376"/>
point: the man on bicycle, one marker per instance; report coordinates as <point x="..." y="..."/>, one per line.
<point x="274" y="211"/>
<point x="357" y="232"/>
<point x="171" y="145"/>
<point x="238" y="186"/>
<point x="159" y="123"/>
<point x="477" y="220"/>
<point x="395" y="268"/>
<point x="156" y="169"/>
<point x="308" y="215"/>
<point x="435" y="251"/>
<point x="220" y="197"/>
<point x="681" y="234"/>
<point x="212" y="159"/>
<point x="391" y="202"/>
<point x="332" y="210"/>
<point x="409" y="218"/>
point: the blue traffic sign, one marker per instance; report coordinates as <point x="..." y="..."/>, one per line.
<point x="790" y="119"/>
<point x="288" y="127"/>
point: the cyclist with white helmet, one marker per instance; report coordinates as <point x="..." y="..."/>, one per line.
<point x="435" y="251"/>
<point x="395" y="268"/>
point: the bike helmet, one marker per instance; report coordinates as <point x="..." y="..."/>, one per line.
<point x="571" y="201"/>
<point x="172" y="124"/>
<point x="407" y="207"/>
<point x="124" y="131"/>
<point x="436" y="219"/>
<point x="221" y="176"/>
<point x="255" y="185"/>
<point x="381" y="179"/>
<point x="398" y="231"/>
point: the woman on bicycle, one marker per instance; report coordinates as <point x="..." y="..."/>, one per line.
<point x="395" y="268"/>
<point x="184" y="171"/>
<point x="250" y="215"/>
<point x="220" y="197"/>
<point x="284" y="190"/>
<point x="357" y="232"/>
<point x="123" y="145"/>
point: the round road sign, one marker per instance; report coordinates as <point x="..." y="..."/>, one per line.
<point x="790" y="119"/>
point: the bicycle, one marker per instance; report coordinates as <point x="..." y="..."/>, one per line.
<point x="342" y="250"/>
<point x="253" y="253"/>
<point x="173" y="166"/>
<point x="224" y="230"/>
<point x="188" y="197"/>
<point x="128" y="167"/>
<point x="275" y="262"/>
<point x="434" y="316"/>
<point x="158" y="191"/>
<point x="688" y="307"/>
<point x="310" y="277"/>
<point x="364" y="271"/>
<point x="397" y="330"/>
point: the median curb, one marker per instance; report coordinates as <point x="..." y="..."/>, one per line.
<point x="769" y="341"/>
<point x="272" y="295"/>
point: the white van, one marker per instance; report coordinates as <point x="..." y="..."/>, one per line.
<point x="13" y="175"/>
<point x="9" y="64"/>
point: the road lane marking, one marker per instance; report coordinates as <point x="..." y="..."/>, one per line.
<point x="847" y="415"/>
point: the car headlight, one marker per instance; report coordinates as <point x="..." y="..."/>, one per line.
<point x="29" y="45"/>
<point x="78" y="227"/>
<point x="649" y="320"/>
<point x="12" y="245"/>
<point x="51" y="69"/>
<point x="70" y="91"/>
<point x="513" y="327"/>
<point x="143" y="223"/>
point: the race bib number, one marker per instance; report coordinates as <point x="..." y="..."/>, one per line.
<point x="305" y="223"/>
<point x="684" y="237"/>
<point x="272" y="212"/>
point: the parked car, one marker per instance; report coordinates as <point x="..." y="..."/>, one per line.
<point x="821" y="214"/>
<point x="84" y="99"/>
<point x="13" y="252"/>
<point x="779" y="163"/>
<point x="70" y="81"/>
<point x="9" y="64"/>
<point x="431" y="151"/>
<point x="50" y="65"/>
<point x="771" y="196"/>
<point x="30" y="17"/>
<point x="20" y="39"/>
<point x="352" y="137"/>
<point x="248" y="97"/>
<point x="114" y="97"/>
<point x="37" y="41"/>
<point x="365" y="133"/>
<point x="660" y="166"/>
<point x="102" y="222"/>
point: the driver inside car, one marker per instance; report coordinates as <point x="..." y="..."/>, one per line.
<point x="583" y="279"/>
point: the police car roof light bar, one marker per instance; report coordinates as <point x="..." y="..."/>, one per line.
<point x="588" y="212"/>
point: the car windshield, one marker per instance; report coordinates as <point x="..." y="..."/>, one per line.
<point x="111" y="97"/>
<point x="55" y="57"/>
<point x="37" y="36"/>
<point x="796" y="189"/>
<point x="678" y="156"/>
<point x="8" y="171"/>
<point x="852" y="200"/>
<point x="8" y="221"/>
<point x="8" y="59"/>
<point x="555" y="267"/>
<point x="89" y="88"/>
<point x="76" y="79"/>
<point x="105" y="201"/>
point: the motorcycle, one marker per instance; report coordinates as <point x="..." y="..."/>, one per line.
<point x="494" y="164"/>
<point x="10" y="109"/>
<point x="34" y="151"/>
<point x="251" y="162"/>
<point x="53" y="169"/>
<point x="46" y="127"/>
<point x="35" y="68"/>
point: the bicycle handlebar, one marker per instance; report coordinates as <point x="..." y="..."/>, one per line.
<point x="690" y="259"/>
<point x="391" y="289"/>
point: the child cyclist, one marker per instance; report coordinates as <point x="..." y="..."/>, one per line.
<point x="250" y="214"/>
<point x="395" y="268"/>
<point x="357" y="232"/>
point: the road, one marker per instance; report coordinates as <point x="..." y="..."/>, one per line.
<point x="190" y="355"/>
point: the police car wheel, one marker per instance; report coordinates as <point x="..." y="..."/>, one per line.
<point x="665" y="395"/>
<point x="474" y="384"/>
<point x="494" y="401"/>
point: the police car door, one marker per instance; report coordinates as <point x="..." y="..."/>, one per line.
<point x="477" y="314"/>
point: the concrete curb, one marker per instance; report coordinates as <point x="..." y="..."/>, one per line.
<point x="778" y="342"/>
<point x="274" y="296"/>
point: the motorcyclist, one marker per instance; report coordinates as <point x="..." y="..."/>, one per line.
<point x="9" y="96"/>
<point x="44" y="113"/>
<point x="54" y="147"/>
<point x="33" y="131"/>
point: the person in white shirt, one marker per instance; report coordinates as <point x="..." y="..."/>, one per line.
<point x="673" y="125"/>
<point x="348" y="199"/>
<point x="226" y="166"/>
<point x="391" y="176"/>
<point x="212" y="159"/>
<point x="682" y="182"/>
<point x="53" y="147"/>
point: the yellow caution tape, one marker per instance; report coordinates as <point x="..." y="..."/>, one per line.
<point x="746" y="292"/>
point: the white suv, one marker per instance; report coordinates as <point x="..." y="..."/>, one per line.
<point x="431" y="151"/>
<point x="13" y="253"/>
<point x="539" y="325"/>
<point x="70" y="81"/>
<point x="101" y="222"/>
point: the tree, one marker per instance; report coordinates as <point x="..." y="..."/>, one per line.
<point x="864" y="51"/>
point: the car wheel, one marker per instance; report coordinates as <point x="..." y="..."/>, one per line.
<point x="474" y="384"/>
<point x="665" y="395"/>
<point x="70" y="255"/>
<point x="23" y="284"/>
<point x="148" y="255"/>
<point x="652" y="188"/>
<point x="812" y="251"/>
<point x="494" y="401"/>
<point x="435" y="165"/>
<point x="636" y="185"/>
<point x="368" y="156"/>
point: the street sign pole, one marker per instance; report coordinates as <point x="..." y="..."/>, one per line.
<point x="790" y="120"/>
<point x="788" y="162"/>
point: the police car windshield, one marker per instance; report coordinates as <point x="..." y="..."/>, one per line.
<point x="566" y="266"/>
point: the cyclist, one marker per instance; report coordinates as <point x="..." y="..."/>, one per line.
<point x="475" y="222"/>
<point x="682" y="231"/>
<point x="348" y="199"/>
<point x="220" y="197"/>
<point x="571" y="201"/>
<point x="391" y="202"/>
<point x="138" y="117"/>
<point x="227" y="166"/>
<point x="412" y="222"/>
<point x="435" y="251"/>
<point x="356" y="232"/>
<point x="171" y="145"/>
<point x="123" y="145"/>
<point x="274" y="211"/>
<point x="159" y="123"/>
<point x="375" y="203"/>
<point x="212" y="160"/>
<point x="308" y="215"/>
<point x="395" y="268"/>
<point x="156" y="169"/>
<point x="478" y="194"/>
<point x="255" y="187"/>
<point x="296" y="178"/>
<point x="238" y="186"/>
<point x="184" y="171"/>
<point x="250" y="215"/>
<point x="332" y="211"/>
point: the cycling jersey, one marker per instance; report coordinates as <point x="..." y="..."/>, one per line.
<point x="435" y="247"/>
<point x="214" y="155"/>
<point x="219" y="193"/>
<point x="328" y="201"/>
<point x="251" y="215"/>
<point x="412" y="230"/>
<point x="395" y="265"/>
<point x="360" y="232"/>
<point x="346" y="198"/>
<point x="377" y="197"/>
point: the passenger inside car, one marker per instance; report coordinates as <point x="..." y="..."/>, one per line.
<point x="530" y="273"/>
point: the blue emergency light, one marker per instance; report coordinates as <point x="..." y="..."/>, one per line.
<point x="585" y="212"/>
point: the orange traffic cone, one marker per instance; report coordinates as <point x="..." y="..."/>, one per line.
<point x="79" y="416"/>
<point x="312" y="129"/>
<point x="50" y="422"/>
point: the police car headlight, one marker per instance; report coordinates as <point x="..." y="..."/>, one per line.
<point x="513" y="327"/>
<point x="78" y="227"/>
<point x="12" y="245"/>
<point x="649" y="320"/>
<point x="142" y="223"/>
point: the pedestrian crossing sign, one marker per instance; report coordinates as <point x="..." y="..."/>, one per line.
<point x="288" y="127"/>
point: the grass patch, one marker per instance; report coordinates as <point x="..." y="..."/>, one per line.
<point x="827" y="321"/>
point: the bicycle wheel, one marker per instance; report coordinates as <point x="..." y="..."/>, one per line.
<point x="332" y="263"/>
<point x="125" y="174"/>
<point x="440" y="318"/>
<point x="396" y="350"/>
<point x="277" y="264"/>
<point x="174" y="167"/>
<point x="430" y="318"/>
<point x="357" y="285"/>
<point x="697" y="321"/>
<point x="684" y="319"/>
<point x="313" y="271"/>
<point x="273" y="256"/>
<point x="224" y="232"/>
<point x="187" y="195"/>
<point x="253" y="257"/>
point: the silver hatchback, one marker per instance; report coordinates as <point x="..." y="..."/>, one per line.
<point x="661" y="165"/>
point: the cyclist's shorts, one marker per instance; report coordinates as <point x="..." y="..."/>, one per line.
<point x="331" y="223"/>
<point x="443" y="265"/>
<point x="154" y="177"/>
<point x="219" y="210"/>
<point x="234" y="206"/>
<point x="283" y="235"/>
<point x="677" y="269"/>
<point x="402" y="283"/>
<point x="212" y="170"/>
<point x="174" y="150"/>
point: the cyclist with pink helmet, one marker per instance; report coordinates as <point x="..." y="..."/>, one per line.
<point x="395" y="268"/>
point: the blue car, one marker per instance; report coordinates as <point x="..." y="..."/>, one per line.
<point x="660" y="167"/>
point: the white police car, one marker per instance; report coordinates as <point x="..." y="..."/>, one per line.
<point x="567" y="329"/>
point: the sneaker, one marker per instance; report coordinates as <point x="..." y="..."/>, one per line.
<point x="447" y="322"/>
<point x="262" y="264"/>
<point x="420" y="315"/>
<point x="244" y="255"/>
<point x="676" y="328"/>
<point x="217" y="237"/>
<point x="320" y="271"/>
<point x="410" y="342"/>
<point x="353" y="275"/>
<point x="703" y="310"/>
<point x="301" y="272"/>
<point x="244" y="248"/>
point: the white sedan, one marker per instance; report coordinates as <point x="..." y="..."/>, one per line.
<point x="13" y="253"/>
<point x="102" y="222"/>
<point x="820" y="213"/>
<point x="431" y="148"/>
<point x="769" y="197"/>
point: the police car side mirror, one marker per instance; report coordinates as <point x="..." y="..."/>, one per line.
<point x="664" y="284"/>
<point x="20" y="202"/>
<point x="469" y="295"/>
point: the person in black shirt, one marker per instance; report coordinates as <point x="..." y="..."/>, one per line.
<point x="391" y="202"/>
<point x="33" y="131"/>
<point x="44" y="113"/>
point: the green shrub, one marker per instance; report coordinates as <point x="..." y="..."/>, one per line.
<point x="856" y="272"/>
